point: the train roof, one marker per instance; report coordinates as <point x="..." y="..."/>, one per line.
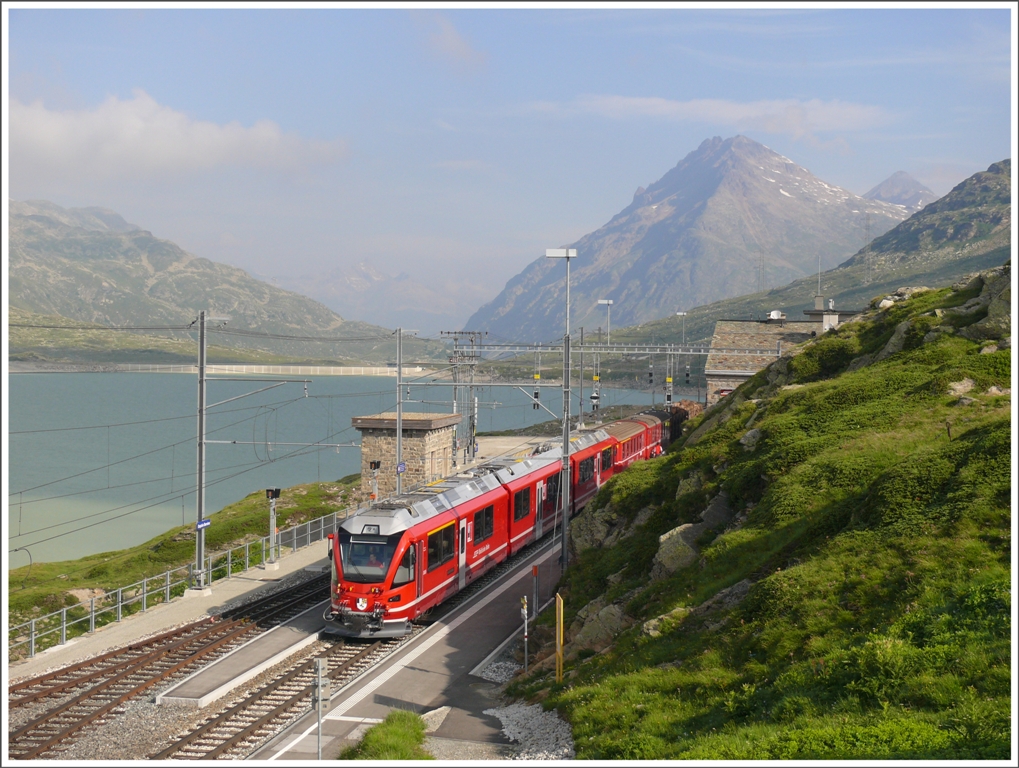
<point x="398" y="513"/>
<point x="625" y="429"/>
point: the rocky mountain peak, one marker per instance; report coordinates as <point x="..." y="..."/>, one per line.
<point x="731" y="217"/>
<point x="902" y="189"/>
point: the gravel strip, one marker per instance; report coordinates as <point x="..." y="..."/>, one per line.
<point x="540" y="735"/>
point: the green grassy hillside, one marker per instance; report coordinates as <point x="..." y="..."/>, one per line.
<point x="856" y="604"/>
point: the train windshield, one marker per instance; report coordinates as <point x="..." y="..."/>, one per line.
<point x="366" y="559"/>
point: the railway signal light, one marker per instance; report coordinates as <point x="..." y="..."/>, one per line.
<point x="688" y="374"/>
<point x="534" y="405"/>
<point x="650" y="374"/>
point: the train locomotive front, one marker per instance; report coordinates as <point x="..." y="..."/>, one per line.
<point x="371" y="563"/>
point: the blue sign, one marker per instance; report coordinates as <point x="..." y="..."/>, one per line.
<point x="203" y="524"/>
<point x="401" y="468"/>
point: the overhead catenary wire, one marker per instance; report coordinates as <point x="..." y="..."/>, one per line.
<point x="142" y="421"/>
<point x="164" y="497"/>
<point x="103" y="327"/>
<point x="154" y="450"/>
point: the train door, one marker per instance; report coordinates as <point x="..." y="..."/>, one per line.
<point x="420" y="546"/>
<point x="539" y="497"/>
<point x="462" y="556"/>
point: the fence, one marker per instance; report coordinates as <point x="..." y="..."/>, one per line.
<point x="54" y="628"/>
<point x="281" y="370"/>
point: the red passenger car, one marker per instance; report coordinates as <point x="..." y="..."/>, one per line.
<point x="399" y="559"/>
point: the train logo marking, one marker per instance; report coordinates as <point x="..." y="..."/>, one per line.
<point x="362" y="603"/>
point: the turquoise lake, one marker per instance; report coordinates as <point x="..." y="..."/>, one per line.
<point x="103" y="461"/>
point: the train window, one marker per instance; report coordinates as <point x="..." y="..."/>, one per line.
<point x="606" y="460"/>
<point x="552" y="493"/>
<point x="586" y="469"/>
<point x="405" y="570"/>
<point x="522" y="504"/>
<point x="484" y="524"/>
<point x="366" y="559"/>
<point x="441" y="546"/>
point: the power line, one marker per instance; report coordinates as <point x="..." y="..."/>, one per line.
<point x="99" y="426"/>
<point x="293" y="337"/>
<point x="146" y="421"/>
<point x="146" y="453"/>
<point x="161" y="498"/>
<point x="103" y="327"/>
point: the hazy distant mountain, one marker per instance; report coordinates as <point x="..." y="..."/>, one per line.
<point x="732" y="215"/>
<point x="966" y="231"/>
<point x="902" y="189"/>
<point x="390" y="300"/>
<point x="88" y="264"/>
<point x="94" y="219"/>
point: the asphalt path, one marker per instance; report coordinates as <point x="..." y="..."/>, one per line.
<point x="437" y="669"/>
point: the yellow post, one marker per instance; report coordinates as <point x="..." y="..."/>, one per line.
<point x="558" y="638"/>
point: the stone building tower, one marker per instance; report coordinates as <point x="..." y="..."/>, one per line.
<point x="427" y="448"/>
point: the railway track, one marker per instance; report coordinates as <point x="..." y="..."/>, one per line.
<point x="67" y="702"/>
<point x="243" y="726"/>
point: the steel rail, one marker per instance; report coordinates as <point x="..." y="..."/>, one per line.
<point x="221" y="720"/>
<point x="92" y="662"/>
<point x="235" y="629"/>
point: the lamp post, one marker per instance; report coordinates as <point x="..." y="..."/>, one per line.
<point x="608" y="319"/>
<point x="683" y="315"/>
<point x="567" y="254"/>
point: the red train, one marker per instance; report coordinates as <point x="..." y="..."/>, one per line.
<point x="405" y="555"/>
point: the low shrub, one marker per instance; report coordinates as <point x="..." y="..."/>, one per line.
<point x="399" y="737"/>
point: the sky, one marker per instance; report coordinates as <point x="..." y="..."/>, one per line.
<point x="451" y="146"/>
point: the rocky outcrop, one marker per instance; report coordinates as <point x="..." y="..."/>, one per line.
<point x="596" y="626"/>
<point x="900" y="294"/>
<point x="996" y="300"/>
<point x="600" y="528"/>
<point x="678" y="548"/>
<point x="749" y="440"/>
<point x="723" y="600"/>
<point x="895" y="343"/>
<point x="692" y="482"/>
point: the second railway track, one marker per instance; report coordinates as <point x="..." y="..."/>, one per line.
<point x="246" y="723"/>
<point x="51" y="711"/>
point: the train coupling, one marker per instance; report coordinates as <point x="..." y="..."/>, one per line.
<point x="366" y="625"/>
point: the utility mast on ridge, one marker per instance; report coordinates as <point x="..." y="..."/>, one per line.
<point x="463" y="362"/>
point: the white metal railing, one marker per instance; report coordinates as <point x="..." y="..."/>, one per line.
<point x="277" y="370"/>
<point x="54" y="628"/>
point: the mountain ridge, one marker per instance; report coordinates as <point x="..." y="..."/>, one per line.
<point x="91" y="265"/>
<point x="729" y="215"/>
<point x="965" y="231"/>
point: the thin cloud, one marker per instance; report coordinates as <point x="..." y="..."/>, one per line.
<point x="140" y="138"/>
<point x="791" y="117"/>
<point x="448" y="44"/>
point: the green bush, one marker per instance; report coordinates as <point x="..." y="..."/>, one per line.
<point x="399" y="737"/>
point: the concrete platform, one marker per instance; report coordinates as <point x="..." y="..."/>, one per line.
<point x="160" y="618"/>
<point x="434" y="675"/>
<point x="251" y="659"/>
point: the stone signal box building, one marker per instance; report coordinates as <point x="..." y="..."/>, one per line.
<point x="427" y="448"/>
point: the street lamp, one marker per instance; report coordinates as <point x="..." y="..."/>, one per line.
<point x="683" y="315"/>
<point x="565" y="253"/>
<point x="608" y="319"/>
